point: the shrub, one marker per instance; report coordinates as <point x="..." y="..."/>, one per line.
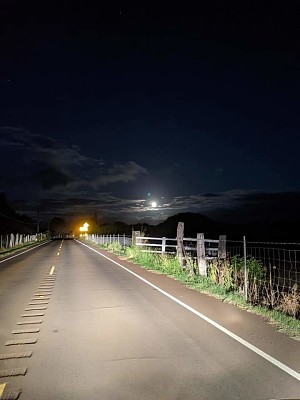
<point x="115" y="247"/>
<point x="289" y="303"/>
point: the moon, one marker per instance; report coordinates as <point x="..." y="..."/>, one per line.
<point x="153" y="204"/>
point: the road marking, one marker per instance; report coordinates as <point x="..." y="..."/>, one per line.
<point x="29" y="330"/>
<point x="9" y="356"/>
<point x="37" y="321"/>
<point x="45" y="291"/>
<point x="52" y="270"/>
<point x="23" y="252"/>
<point x="57" y="254"/>
<point x="47" y="284"/>
<point x="2" y="387"/>
<point x="35" y="308"/>
<point x="42" y="294"/>
<point x="19" y="342"/>
<point x="12" y="394"/>
<point x="243" y="342"/>
<point x="4" y="373"/>
<point x="40" y="302"/>
<point x="39" y="297"/>
<point x="38" y="314"/>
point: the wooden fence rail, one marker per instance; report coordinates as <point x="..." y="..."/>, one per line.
<point x="199" y="248"/>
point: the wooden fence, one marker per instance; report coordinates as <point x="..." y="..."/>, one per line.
<point x="199" y="249"/>
<point x="12" y="240"/>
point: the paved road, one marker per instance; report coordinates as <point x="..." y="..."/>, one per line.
<point x="105" y="334"/>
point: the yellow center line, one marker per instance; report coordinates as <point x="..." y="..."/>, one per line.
<point x="2" y="387"/>
<point x="58" y="253"/>
<point x="52" y="270"/>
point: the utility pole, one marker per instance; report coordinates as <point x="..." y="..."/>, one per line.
<point x="38" y="222"/>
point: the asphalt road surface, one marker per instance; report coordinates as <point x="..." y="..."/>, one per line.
<point x="75" y="325"/>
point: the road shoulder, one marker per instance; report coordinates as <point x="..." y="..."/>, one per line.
<point x="251" y="327"/>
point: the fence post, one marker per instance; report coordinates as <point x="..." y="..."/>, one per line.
<point x="245" y="269"/>
<point x="134" y="240"/>
<point x="222" y="247"/>
<point x="201" y="254"/>
<point x="163" y="245"/>
<point x="137" y="234"/>
<point x="124" y="240"/>
<point x="180" y="246"/>
<point x="12" y="240"/>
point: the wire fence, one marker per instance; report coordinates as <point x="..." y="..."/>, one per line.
<point x="267" y="272"/>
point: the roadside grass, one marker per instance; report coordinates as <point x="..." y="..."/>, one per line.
<point x="169" y="265"/>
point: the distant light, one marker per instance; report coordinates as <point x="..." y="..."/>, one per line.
<point x="153" y="204"/>
<point x="84" y="227"/>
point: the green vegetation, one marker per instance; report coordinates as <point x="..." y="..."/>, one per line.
<point x="225" y="281"/>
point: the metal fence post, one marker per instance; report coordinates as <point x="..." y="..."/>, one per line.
<point x="163" y="245"/>
<point x="245" y="269"/>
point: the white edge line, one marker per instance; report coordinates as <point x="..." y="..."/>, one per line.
<point x="256" y="350"/>
<point x="26" y="251"/>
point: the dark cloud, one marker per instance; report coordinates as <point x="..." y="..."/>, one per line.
<point x="210" y="195"/>
<point x="261" y="206"/>
<point x="51" y="177"/>
<point x="45" y="165"/>
<point x="61" y="180"/>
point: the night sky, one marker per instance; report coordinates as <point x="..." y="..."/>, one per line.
<point x="106" y="108"/>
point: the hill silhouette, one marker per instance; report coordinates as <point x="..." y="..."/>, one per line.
<point x="197" y="223"/>
<point x="193" y="224"/>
